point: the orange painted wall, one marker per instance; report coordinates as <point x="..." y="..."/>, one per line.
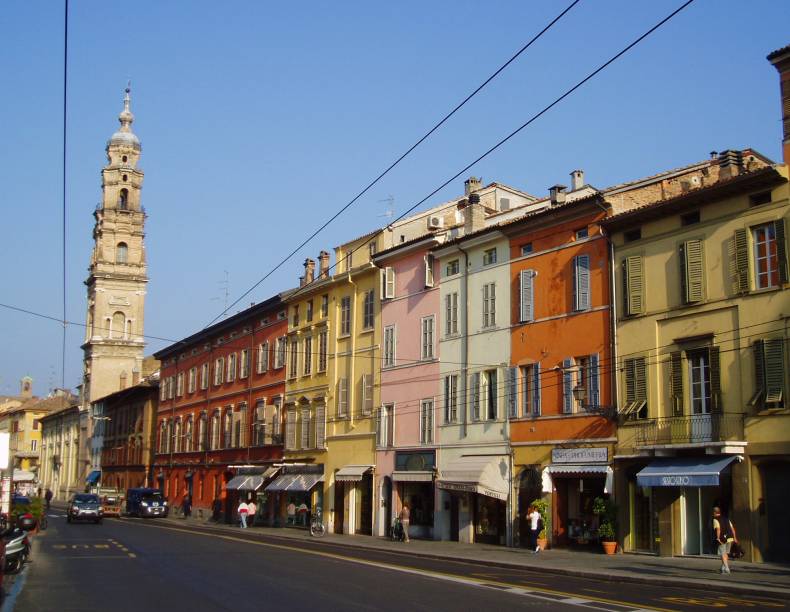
<point x="558" y="332"/>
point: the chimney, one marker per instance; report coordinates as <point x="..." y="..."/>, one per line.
<point x="557" y="194"/>
<point x="309" y="271"/>
<point x="474" y="217"/>
<point x="472" y="184"/>
<point x="714" y="154"/>
<point x="323" y="264"/>
<point x="781" y="61"/>
<point x="135" y="376"/>
<point x="577" y="180"/>
<point x="730" y="164"/>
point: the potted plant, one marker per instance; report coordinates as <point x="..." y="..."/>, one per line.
<point x="606" y="511"/>
<point x="543" y="509"/>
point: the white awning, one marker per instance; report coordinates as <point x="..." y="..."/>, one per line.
<point x="483" y="475"/>
<point x="352" y="473"/>
<point x="578" y="470"/>
<point x="295" y="482"/>
<point x="23" y="476"/>
<point x="412" y="476"/>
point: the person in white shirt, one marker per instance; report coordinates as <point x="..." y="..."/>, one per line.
<point x="534" y="528"/>
<point x="243" y="511"/>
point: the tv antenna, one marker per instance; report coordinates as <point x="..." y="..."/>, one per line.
<point x="224" y="288"/>
<point x="388" y="209"/>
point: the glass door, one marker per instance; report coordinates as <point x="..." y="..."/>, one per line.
<point x="690" y="520"/>
<point x="701" y="401"/>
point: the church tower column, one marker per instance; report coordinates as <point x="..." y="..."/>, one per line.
<point x="114" y="340"/>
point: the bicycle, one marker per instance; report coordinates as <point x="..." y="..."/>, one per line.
<point x="317" y="528"/>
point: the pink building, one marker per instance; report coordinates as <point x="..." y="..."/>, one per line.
<point x="406" y="421"/>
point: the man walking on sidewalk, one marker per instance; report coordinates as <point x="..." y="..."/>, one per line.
<point x="723" y="537"/>
<point x="534" y="528"/>
<point x="405" y="516"/>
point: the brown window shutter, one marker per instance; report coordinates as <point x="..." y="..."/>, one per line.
<point x="692" y="271"/>
<point x="630" y="380"/>
<point x="774" y="371"/>
<point x="781" y="250"/>
<point x="715" y="378"/>
<point x="676" y="382"/>
<point x="741" y="263"/>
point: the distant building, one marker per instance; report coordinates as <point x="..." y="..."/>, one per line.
<point x="60" y="446"/>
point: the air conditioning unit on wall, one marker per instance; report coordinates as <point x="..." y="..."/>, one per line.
<point x="435" y="222"/>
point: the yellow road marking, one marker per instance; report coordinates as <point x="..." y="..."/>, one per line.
<point x="401" y="568"/>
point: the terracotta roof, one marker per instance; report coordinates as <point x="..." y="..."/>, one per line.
<point x="767" y="175"/>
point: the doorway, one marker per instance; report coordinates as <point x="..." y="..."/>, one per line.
<point x="530" y="488"/>
<point x="386" y="498"/>
<point x="339" y="506"/>
<point x="696" y="523"/>
<point x="774" y="506"/>
<point x="365" y="491"/>
<point x="453" y="518"/>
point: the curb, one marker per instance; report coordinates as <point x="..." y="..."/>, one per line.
<point x="700" y="583"/>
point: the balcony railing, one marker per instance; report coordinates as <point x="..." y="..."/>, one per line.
<point x="698" y="428"/>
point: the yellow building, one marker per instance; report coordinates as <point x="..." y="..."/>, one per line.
<point x="701" y="299"/>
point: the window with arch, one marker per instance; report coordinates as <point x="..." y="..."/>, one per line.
<point x="123" y="199"/>
<point x="215" y="427"/>
<point x="117" y="325"/>
<point x="228" y="429"/>
<point x="169" y="437"/>
<point x="203" y="432"/>
<point x="122" y="253"/>
<point x="188" y="435"/>
<point x="177" y="436"/>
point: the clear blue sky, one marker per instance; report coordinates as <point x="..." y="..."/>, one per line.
<point x="258" y="120"/>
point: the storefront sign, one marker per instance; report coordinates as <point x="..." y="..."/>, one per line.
<point x="419" y="461"/>
<point x="597" y="454"/>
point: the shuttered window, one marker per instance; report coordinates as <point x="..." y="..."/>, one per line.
<point x="450" y="398"/>
<point x="322" y="337"/>
<point x="512" y="392"/>
<point x="769" y="370"/>
<point x="633" y="285"/>
<point x="307" y="364"/>
<point x="567" y="385"/>
<point x="320" y="426"/>
<point x="426" y="421"/>
<point x="290" y="430"/>
<point x="474" y="395"/>
<point x="692" y="271"/>
<point x="635" y="406"/>
<point x="367" y="394"/>
<point x="527" y="296"/>
<point x="389" y="346"/>
<point x="429" y="263"/>
<point x="306" y="427"/>
<point x="581" y="282"/>
<point x="489" y="305"/>
<point x="388" y="283"/>
<point x="451" y="314"/>
<point x="342" y="397"/>
<point x="676" y="382"/>
<point x="741" y="260"/>
<point x="593" y="381"/>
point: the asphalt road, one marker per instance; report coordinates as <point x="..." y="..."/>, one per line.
<point x="153" y="565"/>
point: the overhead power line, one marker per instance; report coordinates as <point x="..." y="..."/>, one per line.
<point x="65" y="115"/>
<point x="523" y="126"/>
<point x="398" y="160"/>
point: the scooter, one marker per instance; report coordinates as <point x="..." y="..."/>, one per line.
<point x="17" y="550"/>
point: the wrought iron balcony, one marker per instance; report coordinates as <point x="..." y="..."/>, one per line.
<point x="698" y="428"/>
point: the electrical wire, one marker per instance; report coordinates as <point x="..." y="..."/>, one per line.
<point x="65" y="115"/>
<point x="398" y="160"/>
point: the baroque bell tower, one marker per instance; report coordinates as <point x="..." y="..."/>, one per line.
<point x="114" y="340"/>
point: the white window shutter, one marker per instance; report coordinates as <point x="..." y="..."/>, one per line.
<point x="389" y="288"/>
<point x="527" y="296"/>
<point x="581" y="273"/>
<point x="320" y="426"/>
<point x="474" y="389"/>
<point x="428" y="270"/>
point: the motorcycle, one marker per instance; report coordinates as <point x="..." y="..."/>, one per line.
<point x="17" y="550"/>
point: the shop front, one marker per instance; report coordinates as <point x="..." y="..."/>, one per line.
<point x="354" y="493"/>
<point x="413" y="482"/>
<point x="249" y="485"/>
<point x="475" y="493"/>
<point x="293" y="495"/>
<point x="671" y="501"/>
<point x="575" y="478"/>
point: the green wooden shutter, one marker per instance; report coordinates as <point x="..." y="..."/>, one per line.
<point x="633" y="273"/>
<point x="630" y="380"/>
<point x="692" y="271"/>
<point x="758" y="349"/>
<point x="715" y="379"/>
<point x="741" y="260"/>
<point x="676" y="382"/>
<point x="774" y="370"/>
<point x="781" y="250"/>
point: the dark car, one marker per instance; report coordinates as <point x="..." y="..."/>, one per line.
<point x="144" y="502"/>
<point x="85" y="507"/>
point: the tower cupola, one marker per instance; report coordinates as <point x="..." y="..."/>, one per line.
<point x="124" y="136"/>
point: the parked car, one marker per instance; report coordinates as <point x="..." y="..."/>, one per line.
<point x="112" y="504"/>
<point x="145" y="502"/>
<point x="85" y="507"/>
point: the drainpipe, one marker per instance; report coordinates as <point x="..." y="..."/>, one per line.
<point x="350" y="386"/>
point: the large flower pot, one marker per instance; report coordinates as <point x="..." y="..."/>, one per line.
<point x="609" y="547"/>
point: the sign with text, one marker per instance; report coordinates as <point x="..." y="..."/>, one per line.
<point x="5" y="442"/>
<point x="595" y="454"/>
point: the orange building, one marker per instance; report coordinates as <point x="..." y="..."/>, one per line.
<point x="562" y="432"/>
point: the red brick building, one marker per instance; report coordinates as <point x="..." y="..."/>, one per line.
<point x="220" y="410"/>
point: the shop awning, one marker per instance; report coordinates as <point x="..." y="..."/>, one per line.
<point x="93" y="477"/>
<point x="684" y="472"/>
<point x="251" y="482"/>
<point x="237" y="482"/>
<point x="482" y="475"/>
<point x="412" y="476"/>
<point x="352" y="473"/>
<point x="295" y="482"/>
<point x="580" y="470"/>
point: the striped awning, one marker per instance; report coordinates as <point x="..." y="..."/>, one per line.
<point x="295" y="482"/>
<point x="581" y="470"/>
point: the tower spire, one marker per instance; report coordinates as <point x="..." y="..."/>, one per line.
<point x="126" y="117"/>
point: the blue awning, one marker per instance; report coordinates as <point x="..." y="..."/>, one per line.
<point x="684" y="472"/>
<point x="93" y="477"/>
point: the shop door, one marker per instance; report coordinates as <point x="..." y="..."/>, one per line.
<point x="697" y="519"/>
<point x="365" y="490"/>
<point x="386" y="495"/>
<point x="530" y="488"/>
<point x="339" y="506"/>
<point x="453" y="518"/>
<point x="560" y="511"/>
<point x="776" y="502"/>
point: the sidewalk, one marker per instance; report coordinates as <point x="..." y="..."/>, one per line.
<point x="746" y="578"/>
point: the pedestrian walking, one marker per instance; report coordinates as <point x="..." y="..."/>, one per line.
<point x="243" y="511"/>
<point x="723" y="537"/>
<point x="252" y="509"/>
<point x="534" y="518"/>
<point x="186" y="506"/>
<point x="405" y="517"/>
<point x="48" y="498"/>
